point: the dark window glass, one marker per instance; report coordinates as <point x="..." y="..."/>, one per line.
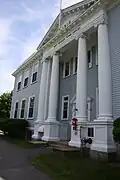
<point x="26" y="82"/>
<point x="31" y="107"/>
<point x="67" y="69"/>
<point x="16" y="110"/>
<point x="65" y="109"/>
<point x="90" y="132"/>
<point x="89" y="56"/>
<point x="19" y="86"/>
<point x="22" y="109"/>
<point x="75" y="64"/>
<point x="34" y="77"/>
<point x="65" y="98"/>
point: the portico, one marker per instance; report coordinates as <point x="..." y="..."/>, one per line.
<point x="102" y="124"/>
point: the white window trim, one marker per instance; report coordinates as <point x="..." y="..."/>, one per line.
<point x="21" y="108"/>
<point x="14" y="109"/>
<point x="93" y="132"/>
<point x="74" y="60"/>
<point x="34" y="72"/>
<point x="91" y="59"/>
<point x="64" y="69"/>
<point x="28" y="107"/>
<point x="62" y="107"/>
<point x="25" y="78"/>
<point x="19" y="79"/>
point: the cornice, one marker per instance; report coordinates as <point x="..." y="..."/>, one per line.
<point x="32" y="59"/>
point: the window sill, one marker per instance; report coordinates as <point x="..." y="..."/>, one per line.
<point x="18" y="90"/>
<point x="34" y="82"/>
<point x="30" y="118"/>
<point x="25" y="87"/>
<point x="64" y="77"/>
<point x="74" y="73"/>
<point x="66" y="119"/>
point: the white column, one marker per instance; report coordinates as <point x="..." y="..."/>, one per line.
<point x="41" y="104"/>
<point x="81" y="91"/>
<point x="103" y="138"/>
<point x="51" y="130"/>
<point x="104" y="74"/>
<point x="54" y="85"/>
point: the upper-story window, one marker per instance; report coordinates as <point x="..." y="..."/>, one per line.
<point x="26" y="78"/>
<point x="19" y="81"/>
<point x="31" y="107"/>
<point x="22" y="111"/>
<point x="34" y="73"/>
<point x="16" y="110"/>
<point x="90" y="58"/>
<point x="66" y="69"/>
<point x="75" y="65"/>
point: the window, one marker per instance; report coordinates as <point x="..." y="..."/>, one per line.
<point x="96" y="53"/>
<point x="19" y="86"/>
<point x="75" y="65"/>
<point x="31" y="107"/>
<point x="66" y="71"/>
<point x="26" y="78"/>
<point x="34" y="73"/>
<point x="26" y="82"/>
<point x="34" y="77"/>
<point x="22" y="112"/>
<point x="16" y="110"/>
<point x="90" y="132"/>
<point x="65" y="107"/>
<point x="90" y="58"/>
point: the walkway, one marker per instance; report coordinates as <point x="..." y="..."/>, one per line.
<point x="15" y="162"/>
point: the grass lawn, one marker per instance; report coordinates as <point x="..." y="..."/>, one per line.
<point x="61" y="168"/>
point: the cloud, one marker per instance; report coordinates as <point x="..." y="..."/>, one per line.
<point x="22" y="26"/>
<point x="66" y="3"/>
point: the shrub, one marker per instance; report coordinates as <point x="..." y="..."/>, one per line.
<point x="14" y="127"/>
<point x="116" y="130"/>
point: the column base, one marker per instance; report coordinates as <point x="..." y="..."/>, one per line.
<point x="103" y="140"/>
<point x="38" y="130"/>
<point x="51" y="130"/>
<point x="75" y="143"/>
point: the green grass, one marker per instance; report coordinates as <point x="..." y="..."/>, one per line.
<point x="61" y="168"/>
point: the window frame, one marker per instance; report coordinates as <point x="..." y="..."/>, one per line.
<point x="90" y="64"/>
<point x="21" y="108"/>
<point x="74" y="65"/>
<point x="65" y="68"/>
<point x="33" y="72"/>
<point x="29" y="107"/>
<point x="62" y="107"/>
<point x="88" y="132"/>
<point x="24" y="82"/>
<point x="15" y="109"/>
<point x="20" y="85"/>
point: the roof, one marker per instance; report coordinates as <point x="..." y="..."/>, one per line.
<point x="56" y="21"/>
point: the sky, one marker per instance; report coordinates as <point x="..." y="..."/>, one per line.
<point x="23" y="24"/>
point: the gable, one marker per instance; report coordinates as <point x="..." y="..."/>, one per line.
<point x="68" y="15"/>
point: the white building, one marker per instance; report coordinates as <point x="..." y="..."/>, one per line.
<point x="74" y="73"/>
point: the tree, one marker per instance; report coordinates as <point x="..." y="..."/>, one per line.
<point x="5" y="105"/>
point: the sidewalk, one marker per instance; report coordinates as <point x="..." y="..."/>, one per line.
<point x="15" y="163"/>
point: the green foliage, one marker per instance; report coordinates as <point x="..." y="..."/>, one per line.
<point x="14" y="127"/>
<point x="5" y="105"/>
<point x="116" y="130"/>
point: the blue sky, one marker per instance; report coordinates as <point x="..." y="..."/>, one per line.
<point x="23" y="23"/>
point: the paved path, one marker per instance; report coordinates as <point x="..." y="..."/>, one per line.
<point x="15" y="162"/>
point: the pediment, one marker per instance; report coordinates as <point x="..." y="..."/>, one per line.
<point x="68" y="15"/>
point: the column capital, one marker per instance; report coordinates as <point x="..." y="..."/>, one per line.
<point x="56" y="53"/>
<point x="81" y="35"/>
<point x="103" y="20"/>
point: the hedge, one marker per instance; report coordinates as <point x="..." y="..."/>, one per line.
<point x="14" y="127"/>
<point x="116" y="130"/>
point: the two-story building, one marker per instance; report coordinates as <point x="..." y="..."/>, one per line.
<point x="75" y="72"/>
